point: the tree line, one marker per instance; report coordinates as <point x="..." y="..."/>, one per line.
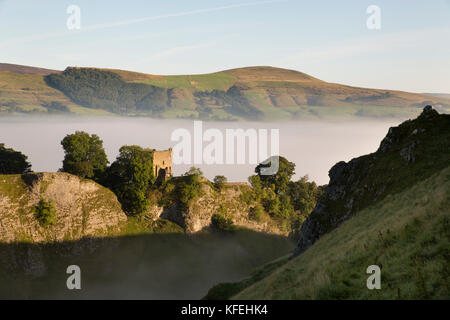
<point x="99" y="89"/>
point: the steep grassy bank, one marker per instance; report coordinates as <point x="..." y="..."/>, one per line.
<point x="410" y="153"/>
<point x="406" y="234"/>
<point x="389" y="208"/>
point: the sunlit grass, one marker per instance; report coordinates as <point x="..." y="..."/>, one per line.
<point x="406" y="234"/>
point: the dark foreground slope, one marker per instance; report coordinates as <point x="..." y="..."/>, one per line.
<point x="150" y="266"/>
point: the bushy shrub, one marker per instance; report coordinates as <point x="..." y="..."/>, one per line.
<point x="258" y="214"/>
<point x="46" y="212"/>
<point x="222" y="224"/>
<point x="219" y="182"/>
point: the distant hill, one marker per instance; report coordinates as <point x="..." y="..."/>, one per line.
<point x="252" y="93"/>
<point x="15" y="68"/>
<point x="440" y="95"/>
<point x="388" y="208"/>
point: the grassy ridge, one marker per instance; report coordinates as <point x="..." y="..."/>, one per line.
<point x="406" y="234"/>
<point x="263" y="93"/>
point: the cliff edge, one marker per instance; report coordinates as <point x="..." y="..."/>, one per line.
<point x="410" y="153"/>
<point x="82" y="208"/>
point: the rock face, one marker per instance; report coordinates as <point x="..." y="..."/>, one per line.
<point x="409" y="153"/>
<point x="227" y="202"/>
<point x="83" y="208"/>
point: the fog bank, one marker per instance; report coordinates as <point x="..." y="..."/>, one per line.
<point x="314" y="146"/>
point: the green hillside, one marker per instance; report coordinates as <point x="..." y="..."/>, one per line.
<point x="389" y="208"/>
<point x="29" y="94"/>
<point x="407" y="235"/>
<point x="253" y="93"/>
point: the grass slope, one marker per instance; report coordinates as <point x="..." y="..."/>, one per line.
<point x="28" y="93"/>
<point x="406" y="234"/>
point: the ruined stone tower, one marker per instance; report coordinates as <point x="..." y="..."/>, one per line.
<point x="162" y="164"/>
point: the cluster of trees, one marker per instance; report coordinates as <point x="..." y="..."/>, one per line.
<point x="288" y="202"/>
<point x="56" y="107"/>
<point x="235" y="101"/>
<point x="99" y="89"/>
<point x="130" y="176"/>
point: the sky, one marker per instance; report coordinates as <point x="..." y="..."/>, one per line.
<point x="329" y="40"/>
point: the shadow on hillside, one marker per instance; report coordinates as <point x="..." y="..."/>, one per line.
<point x="152" y="266"/>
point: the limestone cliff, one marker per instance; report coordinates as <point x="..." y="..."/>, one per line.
<point x="227" y="202"/>
<point x="83" y="208"/>
<point x="409" y="153"/>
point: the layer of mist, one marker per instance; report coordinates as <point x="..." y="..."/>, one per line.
<point x="314" y="146"/>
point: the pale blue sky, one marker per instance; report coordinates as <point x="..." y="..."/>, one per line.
<point x="326" y="39"/>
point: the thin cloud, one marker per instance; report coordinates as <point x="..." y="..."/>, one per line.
<point x="367" y="45"/>
<point x="179" y="14"/>
<point x="135" y="21"/>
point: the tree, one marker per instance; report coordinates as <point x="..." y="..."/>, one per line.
<point x="130" y="177"/>
<point x="304" y="194"/>
<point x="13" y="162"/>
<point x="84" y="155"/>
<point x="219" y="182"/>
<point x="280" y="180"/>
<point x="193" y="171"/>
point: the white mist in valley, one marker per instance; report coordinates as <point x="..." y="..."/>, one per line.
<point x="314" y="146"/>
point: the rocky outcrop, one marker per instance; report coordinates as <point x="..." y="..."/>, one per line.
<point x="83" y="208"/>
<point x="409" y="153"/>
<point x="227" y="202"/>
